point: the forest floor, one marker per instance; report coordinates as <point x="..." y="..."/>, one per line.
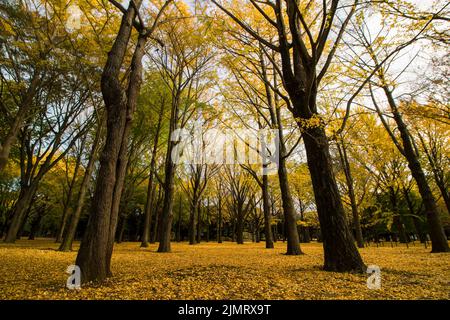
<point x="35" y="270"/>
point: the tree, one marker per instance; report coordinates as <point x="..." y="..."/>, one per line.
<point x="69" y="236"/>
<point x="94" y="256"/>
<point x="380" y="54"/>
<point x="71" y="185"/>
<point x="437" y="235"/>
<point x="301" y="79"/>
<point x="241" y="204"/>
<point x="302" y="187"/>
<point x="23" y="68"/>
<point x="45" y="142"/>
<point x="183" y="61"/>
<point x="433" y="141"/>
<point x="162" y="99"/>
<point x="268" y="111"/>
<point x="351" y="193"/>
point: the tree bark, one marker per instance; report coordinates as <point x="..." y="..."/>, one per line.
<point x="301" y="83"/>
<point x="340" y="251"/>
<point x="267" y="217"/>
<point x="22" y="225"/>
<point x="445" y="194"/>
<point x="351" y="193"/>
<point x="233" y="230"/>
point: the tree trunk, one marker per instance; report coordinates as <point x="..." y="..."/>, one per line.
<point x="167" y="214"/>
<point x="413" y="213"/>
<point x="397" y="218"/>
<point x="445" y="194"/>
<point x="22" y="226"/>
<point x="66" y="244"/>
<point x="304" y="230"/>
<point x="66" y="208"/>
<point x="219" y="221"/>
<point x="122" y="224"/>
<point x="150" y="188"/>
<point x="233" y="230"/>
<point x="192" y="221"/>
<point x="122" y="160"/>
<point x="157" y="219"/>
<point x="267" y="217"/>
<point x="19" y="212"/>
<point x="199" y="222"/>
<point x="306" y="236"/>
<point x="275" y="232"/>
<point x="291" y="233"/>
<point x="178" y="233"/>
<point x="35" y="224"/>
<point x="148" y="211"/>
<point x="240" y="226"/>
<point x="208" y="219"/>
<point x="351" y="193"/>
<point x="340" y="251"/>
<point x="7" y="223"/>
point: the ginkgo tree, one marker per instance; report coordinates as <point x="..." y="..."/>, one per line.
<point x="94" y="256"/>
<point x="302" y="43"/>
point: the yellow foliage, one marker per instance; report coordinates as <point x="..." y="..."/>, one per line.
<point x="34" y="270"/>
<point x="314" y="122"/>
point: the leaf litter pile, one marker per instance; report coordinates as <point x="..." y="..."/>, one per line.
<point x="35" y="270"/>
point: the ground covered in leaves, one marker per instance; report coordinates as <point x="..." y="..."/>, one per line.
<point x="35" y="270"/>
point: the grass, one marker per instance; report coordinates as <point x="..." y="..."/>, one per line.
<point x="35" y="270"/>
